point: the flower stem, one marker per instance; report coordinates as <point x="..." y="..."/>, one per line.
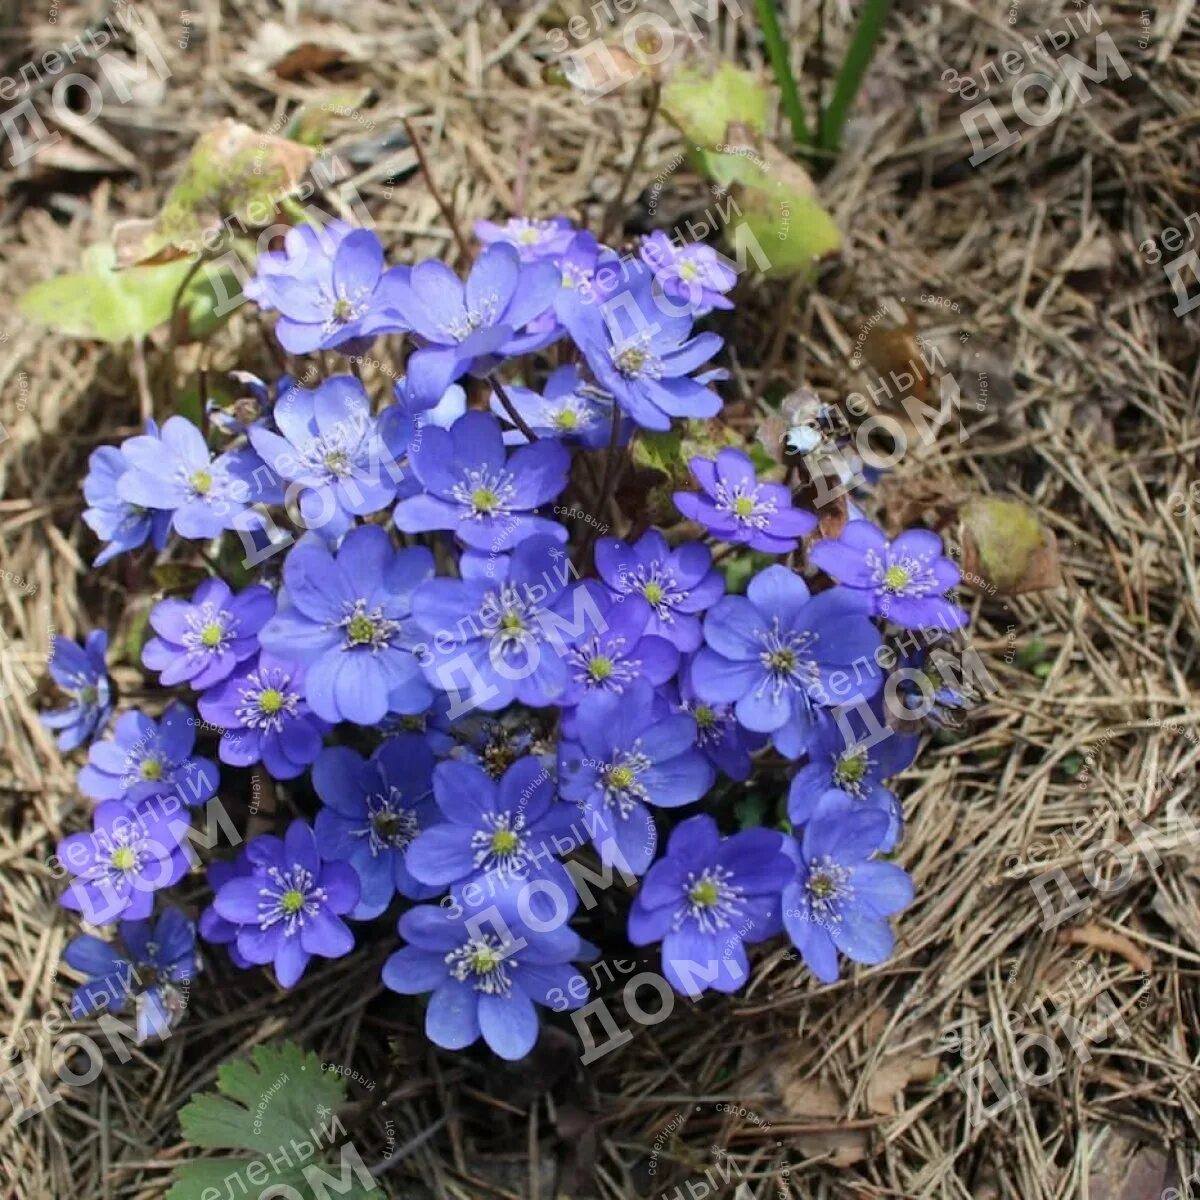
<point x="511" y="409"/>
<point x="780" y="64"/>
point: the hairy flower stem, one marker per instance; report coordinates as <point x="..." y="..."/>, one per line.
<point x="510" y="408"/>
<point x="612" y="215"/>
<point x="608" y="483"/>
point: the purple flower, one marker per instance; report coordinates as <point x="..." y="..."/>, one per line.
<point x="705" y="898"/>
<point x="470" y="327"/>
<point x="642" y="352"/>
<point x="901" y="580"/>
<point x="291" y="906"/>
<point x="119" y="866"/>
<point x="345" y="619"/>
<point x="178" y="472"/>
<point x="213" y="927"/>
<point x="532" y="239"/>
<point x="778" y="650"/>
<point x="145" y="759"/>
<point x="506" y="616"/>
<point x="329" y="290"/>
<point x="254" y="407"/>
<point x="486" y="973"/>
<point x="200" y="641"/>
<point x="678" y="584"/>
<point x="621" y="759"/>
<point x="619" y="653"/>
<point x="926" y="683"/>
<point x="693" y="273"/>
<point x="855" y="768"/>
<point x="261" y="708"/>
<point x="113" y="519"/>
<point x="719" y="737"/>
<point x="372" y="810"/>
<point x="83" y="675"/>
<point x="329" y="441"/>
<point x="503" y="825"/>
<point x="158" y="958"/>
<point x="737" y="508"/>
<point x="841" y="897"/>
<point x="566" y="409"/>
<point x="473" y="488"/>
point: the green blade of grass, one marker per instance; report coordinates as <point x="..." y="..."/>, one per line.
<point x="778" y="54"/>
<point x="854" y="67"/>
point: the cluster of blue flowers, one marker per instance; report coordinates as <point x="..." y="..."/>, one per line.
<point x="513" y="718"/>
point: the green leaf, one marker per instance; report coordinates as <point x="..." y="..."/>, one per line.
<point x="750" y="811"/>
<point x="705" y="103"/>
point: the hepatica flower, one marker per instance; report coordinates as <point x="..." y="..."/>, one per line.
<point x="533" y="240"/>
<point x="119" y="866"/>
<point x="153" y="973"/>
<point x="706" y="898"/>
<point x="261" y="708"/>
<point x="115" y="520"/>
<point x="372" y="810"/>
<point x="485" y="974"/>
<point x="693" y="273"/>
<point x="200" y="641"/>
<point x="778" y="650"/>
<point x="567" y="408"/>
<point x="620" y="761"/>
<point x="719" y="737"/>
<point x="213" y="927"/>
<point x="475" y="489"/>
<point x="345" y="619"/>
<point x="145" y="759"/>
<point x="736" y="507"/>
<point x="678" y="584"/>
<point x="329" y="441"/>
<point x="82" y="673"/>
<point x="841" y="897"/>
<point x="902" y="580"/>
<point x="643" y="353"/>
<point x="290" y="907"/>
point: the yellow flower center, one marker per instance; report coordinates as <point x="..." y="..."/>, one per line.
<point x="270" y="700"/>
<point x="654" y="592"/>
<point x="743" y="506"/>
<point x="704" y="893"/>
<point x="567" y="419"/>
<point x="504" y="841"/>
<point x="852" y="767"/>
<point x="688" y="270"/>
<point x="484" y="959"/>
<point x="705" y="717"/>
<point x="511" y="622"/>
<point x="123" y="858"/>
<point x="894" y="578"/>
<point x="600" y="668"/>
<point x="484" y="500"/>
<point x="151" y="770"/>
<point x="211" y="634"/>
<point x="201" y="482"/>
<point x="291" y="901"/>
<point x="620" y="778"/>
<point x="781" y="660"/>
<point x="360" y="631"/>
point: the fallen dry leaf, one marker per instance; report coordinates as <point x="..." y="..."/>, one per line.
<point x="1006" y="549"/>
<point x="311" y="47"/>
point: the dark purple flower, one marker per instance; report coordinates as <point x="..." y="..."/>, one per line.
<point x="373" y="809"/>
<point x="200" y="641"/>
<point x="532" y="239"/>
<point x="345" y="619"/>
<point x="119" y="866"/>
<point x="503" y="825"/>
<point x="841" y="897"/>
<point x="475" y="489"/>
<point x="620" y="760"/>
<point x="693" y="273"/>
<point x="486" y="973"/>
<point x="735" y="507"/>
<point x="707" y="897"/>
<point x="639" y="347"/>
<point x="778" y="650"/>
<point x="291" y="906"/>
<point x="902" y="581"/>
<point x="719" y="737"/>
<point x="83" y="675"/>
<point x="261" y="708"/>
<point x="567" y="408"/>
<point x="154" y="972"/>
<point x="145" y="759"/>
<point x="112" y="518"/>
<point x="329" y="442"/>
<point x="678" y="584"/>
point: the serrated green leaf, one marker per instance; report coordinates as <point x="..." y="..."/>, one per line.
<point x="194" y="1179"/>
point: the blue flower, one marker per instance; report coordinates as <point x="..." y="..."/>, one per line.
<point x="642" y="352"/>
<point x="504" y="826"/>
<point x="372" y="810"/>
<point x="678" y="584"/>
<point x="345" y="619"/>
<point x="933" y="695"/>
<point x="145" y="759"/>
<point x="265" y="718"/>
<point x="473" y="488"/>
<point x="412" y="412"/>
<point x="83" y="675"/>
<point x="200" y="641"/>
<point x="841" y="896"/>
<point x="719" y="737"/>
<point x="693" y="274"/>
<point x="112" y="518"/>
<point x="902" y="581"/>
<point x="621" y="759"/>
<point x="707" y="897"/>
<point x="566" y="409"/>
<point x="329" y="441"/>
<point x="155" y="972"/>
<point x="737" y="508"/>
<point x="778" y="650"/>
<point x="177" y="472"/>
<point x="485" y="974"/>
<point x="532" y="239"/>
<point x="290" y="907"/>
<point x="213" y="927"/>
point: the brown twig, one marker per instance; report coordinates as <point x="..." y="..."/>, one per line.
<point x="613" y="213"/>
<point x="447" y="215"/>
